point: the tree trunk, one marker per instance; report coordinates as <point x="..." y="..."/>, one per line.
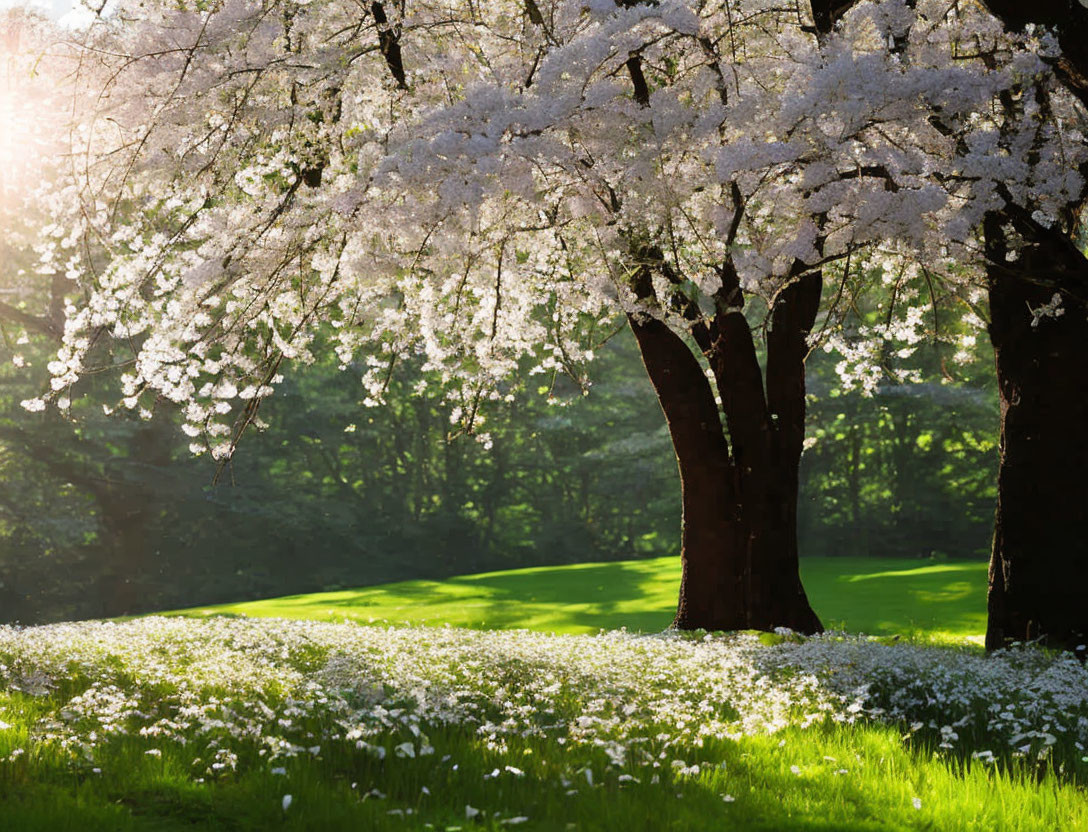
<point x="712" y="551"/>
<point x="1039" y="562"/>
<point x="776" y="565"/>
<point x="739" y="529"/>
<point x="129" y="503"/>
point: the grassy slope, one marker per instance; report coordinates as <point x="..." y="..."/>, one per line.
<point x="944" y="602"/>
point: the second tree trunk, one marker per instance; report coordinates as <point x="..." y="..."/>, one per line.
<point x="1039" y="565"/>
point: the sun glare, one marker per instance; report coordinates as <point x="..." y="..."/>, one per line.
<point x="10" y="129"/>
<point x="19" y="140"/>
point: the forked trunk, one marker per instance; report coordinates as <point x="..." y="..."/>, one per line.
<point x="739" y="530"/>
<point x="1039" y="563"/>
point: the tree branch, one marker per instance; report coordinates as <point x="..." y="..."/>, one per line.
<point x="42" y="326"/>
<point x="638" y="80"/>
<point x="389" y="42"/>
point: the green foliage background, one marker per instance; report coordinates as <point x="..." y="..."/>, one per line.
<point x="104" y="515"/>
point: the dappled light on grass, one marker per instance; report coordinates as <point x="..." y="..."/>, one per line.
<point x="941" y="602"/>
<point x="935" y="602"/>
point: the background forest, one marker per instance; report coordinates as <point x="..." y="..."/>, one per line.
<point x="111" y="514"/>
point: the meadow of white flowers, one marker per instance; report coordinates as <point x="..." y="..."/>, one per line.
<point x="292" y="687"/>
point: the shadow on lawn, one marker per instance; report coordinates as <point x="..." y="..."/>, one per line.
<point x="875" y="596"/>
<point x="582" y="597"/>
<point x="883" y="598"/>
<point x="599" y="596"/>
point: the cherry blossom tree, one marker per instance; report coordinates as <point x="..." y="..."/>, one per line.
<point x="495" y="187"/>
<point x="1036" y="262"/>
<point x="1026" y="173"/>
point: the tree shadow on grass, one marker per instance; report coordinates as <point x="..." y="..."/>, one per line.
<point x="595" y="596"/>
<point x="582" y="598"/>
<point x="890" y="597"/>
<point x="875" y="596"/>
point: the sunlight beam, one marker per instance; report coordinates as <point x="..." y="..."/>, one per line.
<point x="15" y="141"/>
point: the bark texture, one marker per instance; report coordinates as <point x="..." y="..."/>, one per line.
<point x="1039" y="563"/>
<point x="712" y="591"/>
<point x="739" y="480"/>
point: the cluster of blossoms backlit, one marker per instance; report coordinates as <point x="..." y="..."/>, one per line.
<point x="477" y="184"/>
<point x="291" y="688"/>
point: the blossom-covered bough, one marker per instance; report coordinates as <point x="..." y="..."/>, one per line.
<point x="489" y="185"/>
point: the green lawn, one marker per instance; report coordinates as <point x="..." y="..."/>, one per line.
<point x="746" y="786"/>
<point x="942" y="602"/>
<point x="218" y="720"/>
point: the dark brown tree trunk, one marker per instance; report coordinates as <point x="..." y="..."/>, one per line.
<point x="777" y="567"/>
<point x="712" y="551"/>
<point x="739" y="531"/>
<point x="1039" y="563"/>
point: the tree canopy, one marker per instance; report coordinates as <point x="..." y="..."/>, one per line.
<point x="484" y="184"/>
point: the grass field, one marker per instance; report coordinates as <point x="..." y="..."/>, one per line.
<point x="943" y="602"/>
<point x="252" y="724"/>
<point x="214" y="720"/>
